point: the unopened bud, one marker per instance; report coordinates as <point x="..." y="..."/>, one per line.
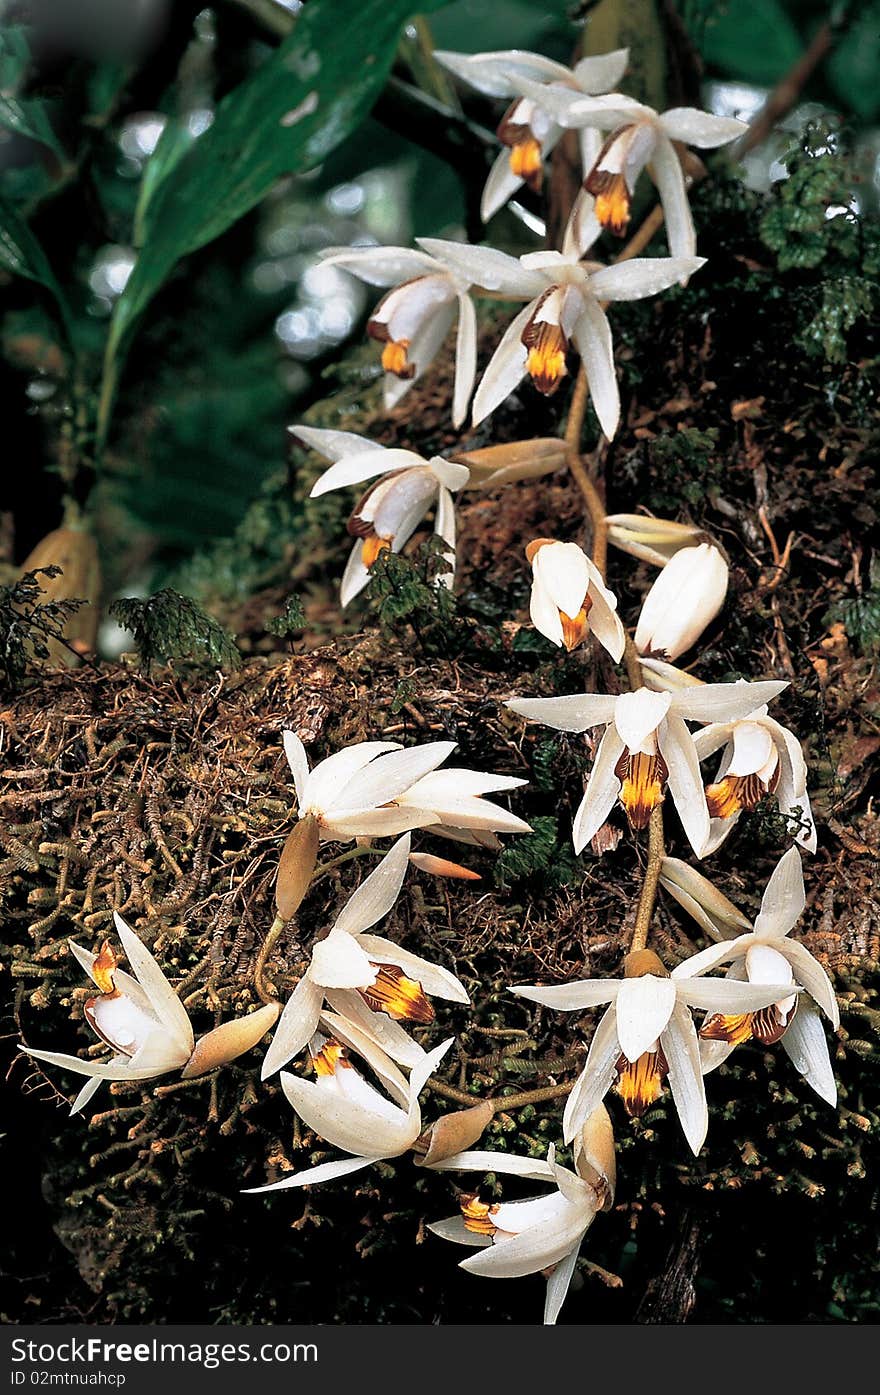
<point x="654" y="540"/>
<point x="230" y="1040"/>
<point x="442" y="867"/>
<point x="76" y="553"/>
<point x="594" y="1159"/>
<point x="516" y="460"/>
<point x="453" y="1133"/>
<point x="712" y="911"/>
<point x="296" y="865"/>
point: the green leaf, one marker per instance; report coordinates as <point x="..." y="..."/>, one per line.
<point x="852" y="66"/>
<point x="302" y="102"/>
<point x="23" y="116"/>
<point x="28" y="118"/>
<point x="753" y="40"/>
<point x="22" y="255"/>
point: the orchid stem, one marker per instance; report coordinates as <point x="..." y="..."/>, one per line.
<point x="265" y="989"/>
<point x="574" y="461"/>
<point x="648" y="896"/>
<point x="502" y="1103"/>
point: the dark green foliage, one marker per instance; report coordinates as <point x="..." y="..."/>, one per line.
<point x="686" y="465"/>
<point x="290" y="621"/>
<point x="170" y="628"/>
<point x="861" y="615"/>
<point x="544" y="858"/>
<point x="407" y="591"/>
<point x="28" y="625"/>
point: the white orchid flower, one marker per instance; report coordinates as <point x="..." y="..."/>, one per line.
<point x="646" y="745"/>
<point x="406" y="488"/>
<point x="565" y="297"/>
<point x="638" y="136"/>
<point x="350" y="1113"/>
<point x="145" y="1024"/>
<point x="526" y="130"/>
<point x="366" y="979"/>
<point x="759" y="757"/>
<point x="413" y="319"/>
<point x="377" y="789"/>
<point x="646" y="1036"/>
<point x="685" y="598"/>
<point x="569" y="598"/>
<point x="514" y="1238"/>
<point x="767" y="953"/>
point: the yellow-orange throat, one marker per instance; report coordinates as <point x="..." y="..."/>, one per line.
<point x="639" y="1083"/>
<point x="103" y="969"/>
<point x="330" y="1058"/>
<point x="736" y="792"/>
<point x="400" y="997"/>
<point x="766" y="1026"/>
<point x="477" y="1214"/>
<point x="575" y="628"/>
<point x="394" y="359"/>
<point x="547" y="348"/>
<point x="526" y="162"/>
<point x="642" y="778"/>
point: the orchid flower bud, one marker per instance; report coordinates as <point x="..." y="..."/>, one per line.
<point x="654" y="540"/>
<point x="684" y="599"/>
<point x="709" y="907"/>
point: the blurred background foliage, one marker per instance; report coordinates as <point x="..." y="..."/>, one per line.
<point x="169" y="172"/>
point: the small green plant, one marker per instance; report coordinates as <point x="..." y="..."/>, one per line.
<point x="28" y="624"/>
<point x="171" y="628"/>
<point x="291" y="620"/>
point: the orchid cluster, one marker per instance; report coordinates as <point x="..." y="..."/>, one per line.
<point x="356" y="1019"/>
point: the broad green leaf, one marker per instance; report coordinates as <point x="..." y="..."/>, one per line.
<point x="300" y="104"/>
<point x="853" y="65"/>
<point x="21" y="253"/>
<point x="24" y="116"/>
<point x="753" y="40"/>
<point x="176" y="138"/>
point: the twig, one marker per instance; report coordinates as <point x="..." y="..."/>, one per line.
<point x="786" y="92"/>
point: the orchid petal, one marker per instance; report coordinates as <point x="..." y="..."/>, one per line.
<point x="380" y="266"/>
<point x="298" y="761"/>
<point x="668" y="176"/>
<point x="335" y="444"/>
<point x="296" y="1026"/>
<point x="164" y="1001"/>
<point x="385" y="780"/>
<point x="601" y="72"/>
<point x="558" y="1285"/>
<point x="601" y="792"/>
<point x="681" y="1048"/>
<point x="505" y="369"/>
<point x="486" y="267"/>
<point x="643" y="1007"/>
<point x="329" y="779"/>
<point x="364" y="465"/>
<point x="723" y="702"/>
<point x="378" y="892"/>
<point x="642" y="276"/>
<point x="570" y="997"/>
<point x="436" y="981"/>
<point x="784" y="898"/>
<point x="592" y="335"/>
<point x="454" y="1228"/>
<point x="594" y="1082"/>
<point x="389" y="1036"/>
<point x="574" y="713"/>
<point x="339" y="962"/>
<point x="693" y="127"/>
<point x="809" y="973"/>
<point x="465" y="360"/>
<point x="804" y="1040"/>
<point x="311" y="1176"/>
<point x="685" y="783"/>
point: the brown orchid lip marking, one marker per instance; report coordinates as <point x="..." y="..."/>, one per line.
<point x="610" y="190"/>
<point x="642" y="779"/>
<point x="765" y="1026"/>
<point x="526" y="157"/>
<point x="547" y="346"/>
<point x="735" y="792"/>
<point x="400" y="997"/>
<point x="640" y="1083"/>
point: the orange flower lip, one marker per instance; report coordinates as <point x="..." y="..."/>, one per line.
<point x="476" y="1214"/>
<point x="400" y="997"/>
<point x="640" y="1083"/>
<point x="642" y="778"/>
